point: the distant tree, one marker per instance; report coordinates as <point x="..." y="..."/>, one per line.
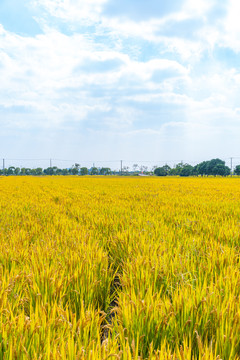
<point x="55" y="170"/>
<point x="23" y="171"/>
<point x="84" y="171"/>
<point x="187" y="170"/>
<point x="176" y="170"/>
<point x="58" y="171"/>
<point x="202" y="168"/>
<point x="10" y="170"/>
<point x="172" y="172"/>
<point x="160" y="171"/>
<point x="94" y="171"/>
<point x="17" y="171"/>
<point x="28" y="171"/>
<point x="212" y="167"/>
<point x="105" y="171"/>
<point x="48" y="171"/>
<point x="39" y="171"/>
<point x="52" y="171"/>
<point x="195" y="171"/>
<point x="221" y="170"/>
<point x="74" y="171"/>
<point x="33" y="172"/>
<point x="167" y="168"/>
<point x="217" y="167"/>
<point x="181" y="169"/>
<point x="108" y="171"/>
<point x="237" y="170"/>
<point x="65" y="172"/>
<point x="227" y="171"/>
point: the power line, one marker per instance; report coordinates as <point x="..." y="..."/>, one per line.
<point x="231" y="159"/>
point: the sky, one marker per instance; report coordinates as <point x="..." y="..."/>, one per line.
<point x="103" y="80"/>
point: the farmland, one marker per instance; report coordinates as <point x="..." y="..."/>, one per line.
<point x="124" y="268"/>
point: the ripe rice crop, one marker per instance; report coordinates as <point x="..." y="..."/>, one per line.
<point x="124" y="268"/>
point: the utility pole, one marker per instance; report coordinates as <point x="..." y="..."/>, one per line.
<point x="121" y="166"/>
<point x="50" y="162"/>
<point x="3" y="164"/>
<point x="231" y="166"/>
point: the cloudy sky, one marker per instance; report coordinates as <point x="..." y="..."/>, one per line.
<point x="132" y="79"/>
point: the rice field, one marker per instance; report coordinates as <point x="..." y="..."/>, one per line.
<point x="119" y="268"/>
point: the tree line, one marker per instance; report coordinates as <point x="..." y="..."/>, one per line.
<point x="54" y="170"/>
<point x="212" y="167"/>
<point x="215" y="167"/>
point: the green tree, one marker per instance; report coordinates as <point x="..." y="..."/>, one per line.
<point x="105" y="171"/>
<point x="39" y="171"/>
<point x="202" y="168"/>
<point x="74" y="171"/>
<point x="10" y="170"/>
<point x="181" y="169"/>
<point x="17" y="171"/>
<point x="48" y="171"/>
<point x="94" y="171"/>
<point x="23" y="171"/>
<point x="55" y="170"/>
<point x="65" y="172"/>
<point x="237" y="170"/>
<point x="187" y="170"/>
<point x="160" y="171"/>
<point x="215" y="167"/>
<point x="84" y="171"/>
<point x="58" y="171"/>
<point x="28" y="171"/>
<point x="221" y="170"/>
<point x="176" y="170"/>
<point x="212" y="167"/>
<point x="195" y="171"/>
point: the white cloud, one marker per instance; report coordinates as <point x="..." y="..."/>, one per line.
<point x="35" y="70"/>
<point x="230" y="37"/>
<point x="72" y="10"/>
<point x="170" y="86"/>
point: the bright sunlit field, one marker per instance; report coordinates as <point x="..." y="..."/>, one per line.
<point x="124" y="268"/>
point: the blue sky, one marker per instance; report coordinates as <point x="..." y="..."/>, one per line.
<point x="138" y="80"/>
